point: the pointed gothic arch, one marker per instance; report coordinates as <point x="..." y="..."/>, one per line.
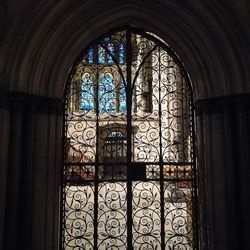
<point x="139" y="104"/>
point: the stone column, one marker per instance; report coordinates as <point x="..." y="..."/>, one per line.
<point x="4" y="139"/>
<point x="30" y="171"/>
<point x="223" y="149"/>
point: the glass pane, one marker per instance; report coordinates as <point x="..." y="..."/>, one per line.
<point x="91" y="55"/>
<point x="101" y="54"/>
<point x="121" y="53"/>
<point x="122" y="97"/>
<point x="107" y="91"/>
<point x="110" y="48"/>
<point x="87" y="92"/>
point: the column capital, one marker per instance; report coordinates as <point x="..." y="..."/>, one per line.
<point x="41" y="104"/>
<point x="225" y="103"/>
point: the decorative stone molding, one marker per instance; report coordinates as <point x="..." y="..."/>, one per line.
<point x="224" y="103"/>
<point x="223" y="157"/>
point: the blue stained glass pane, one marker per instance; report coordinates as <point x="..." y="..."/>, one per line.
<point x="101" y="54"/>
<point x="107" y="93"/>
<point x="87" y="94"/>
<point x="111" y="50"/>
<point x="121" y="53"/>
<point x="91" y="55"/>
<point x="106" y="39"/>
<point x="122" y="98"/>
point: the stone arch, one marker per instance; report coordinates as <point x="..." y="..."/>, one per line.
<point x="197" y="33"/>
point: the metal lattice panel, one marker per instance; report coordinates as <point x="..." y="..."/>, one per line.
<point x="129" y="173"/>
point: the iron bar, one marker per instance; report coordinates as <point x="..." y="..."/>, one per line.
<point x="129" y="173"/>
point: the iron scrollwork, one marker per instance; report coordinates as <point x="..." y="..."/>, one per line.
<point x="129" y="173"/>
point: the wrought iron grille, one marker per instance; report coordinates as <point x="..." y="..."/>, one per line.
<point x="129" y="172"/>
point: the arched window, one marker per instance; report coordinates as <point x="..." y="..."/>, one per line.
<point x="129" y="168"/>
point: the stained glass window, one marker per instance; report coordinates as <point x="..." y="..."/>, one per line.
<point x="88" y="56"/>
<point x="91" y="55"/>
<point x="121" y="53"/>
<point x="111" y="51"/>
<point x="111" y="91"/>
<point x="87" y="95"/>
<point x="101" y="54"/>
<point x="122" y="98"/>
<point x="107" y="98"/>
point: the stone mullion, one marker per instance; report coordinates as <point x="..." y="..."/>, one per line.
<point x="54" y="172"/>
<point x="223" y="160"/>
<point x="31" y="127"/>
<point x="242" y="162"/>
<point x="26" y="189"/>
<point x="13" y="233"/>
<point x="47" y="177"/>
<point x="4" y="154"/>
